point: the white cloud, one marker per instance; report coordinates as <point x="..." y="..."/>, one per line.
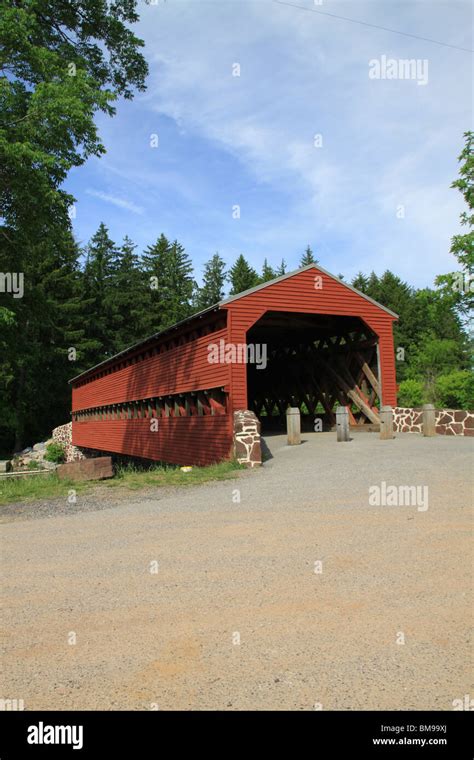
<point x="384" y="142"/>
<point x="120" y="202"/>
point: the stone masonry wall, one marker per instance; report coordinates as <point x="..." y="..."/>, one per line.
<point x="63" y="435"/>
<point x="407" y="420"/>
<point x="247" y="448"/>
<point x="448" y="421"/>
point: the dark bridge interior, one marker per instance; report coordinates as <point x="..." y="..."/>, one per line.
<point x="315" y="362"/>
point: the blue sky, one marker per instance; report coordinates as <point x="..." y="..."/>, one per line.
<point x="375" y="195"/>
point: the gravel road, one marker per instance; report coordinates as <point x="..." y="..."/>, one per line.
<point x="282" y="589"/>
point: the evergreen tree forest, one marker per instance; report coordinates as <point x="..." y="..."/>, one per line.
<point x="62" y="64"/>
<point x="90" y="303"/>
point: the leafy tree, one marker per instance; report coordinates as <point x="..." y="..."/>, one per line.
<point x="411" y="393"/>
<point x="60" y="64"/>
<point x="455" y="390"/>
<point x="462" y="246"/>
<point x="308" y="257"/>
<point x="429" y="330"/>
<point x="242" y="276"/>
<point x="431" y="358"/>
<point x="212" y="290"/>
<point x="7" y="379"/>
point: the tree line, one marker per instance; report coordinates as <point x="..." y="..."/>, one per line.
<point x="60" y="65"/>
<point x="86" y="304"/>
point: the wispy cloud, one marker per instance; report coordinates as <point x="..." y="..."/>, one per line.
<point x="250" y="139"/>
<point x="385" y="143"/>
<point x="120" y="202"/>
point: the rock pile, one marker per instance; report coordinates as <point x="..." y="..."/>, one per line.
<point x="33" y="458"/>
<point x="29" y="459"/>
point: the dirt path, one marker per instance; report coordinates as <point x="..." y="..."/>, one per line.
<point x="231" y="571"/>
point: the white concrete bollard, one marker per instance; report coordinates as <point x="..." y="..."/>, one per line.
<point x="342" y="423"/>
<point x="429" y="421"/>
<point x="386" y="423"/>
<point x="293" y="425"/>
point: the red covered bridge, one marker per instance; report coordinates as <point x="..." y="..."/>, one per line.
<point x="313" y="341"/>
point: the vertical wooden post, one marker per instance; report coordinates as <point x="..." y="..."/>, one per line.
<point x="386" y="423"/>
<point x="429" y="421"/>
<point x="293" y="425"/>
<point x="342" y="423"/>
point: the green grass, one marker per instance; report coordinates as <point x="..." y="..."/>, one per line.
<point x="134" y="478"/>
<point x="129" y="477"/>
<point x="35" y="487"/>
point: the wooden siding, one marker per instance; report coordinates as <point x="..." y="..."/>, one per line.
<point x="179" y="440"/>
<point x="181" y="369"/>
<point x="298" y="294"/>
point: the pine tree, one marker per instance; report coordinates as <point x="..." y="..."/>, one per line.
<point x="393" y="293"/>
<point x="268" y="273"/>
<point x="281" y="269"/>
<point x="182" y="283"/>
<point x="99" y="274"/>
<point x="155" y="262"/>
<point x="169" y="272"/>
<point x="373" y="286"/>
<point x="41" y="332"/>
<point x="155" y="255"/>
<point x="131" y="297"/>
<point x="242" y="276"/>
<point x="360" y="282"/>
<point x="212" y="290"/>
<point x="308" y="257"/>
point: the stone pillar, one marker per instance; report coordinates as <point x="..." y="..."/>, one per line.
<point x="429" y="421"/>
<point x="293" y="425"/>
<point x="342" y="423"/>
<point x="247" y="448"/>
<point x="386" y="423"/>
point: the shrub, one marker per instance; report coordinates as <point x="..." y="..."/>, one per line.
<point x="455" y="390"/>
<point x="411" y="393"/>
<point x="55" y="452"/>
